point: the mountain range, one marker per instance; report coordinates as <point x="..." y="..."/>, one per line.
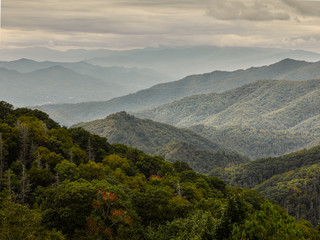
<point x="177" y="62"/>
<point x="265" y="104"/>
<point x="164" y="140"/>
<point x="217" y="81"/>
<point x="260" y="119"/>
<point x="53" y="84"/>
<point x="70" y="82"/>
<point x="291" y="180"/>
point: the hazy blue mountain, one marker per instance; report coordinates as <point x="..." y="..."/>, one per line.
<point x="130" y="79"/>
<point x="183" y="61"/>
<point x="44" y="54"/>
<point x="165" y="140"/>
<point x="217" y="81"/>
<point x="176" y="62"/>
<point x="52" y="85"/>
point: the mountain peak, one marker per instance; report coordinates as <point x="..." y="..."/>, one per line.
<point x="123" y="115"/>
<point x="290" y="62"/>
<point x="23" y="60"/>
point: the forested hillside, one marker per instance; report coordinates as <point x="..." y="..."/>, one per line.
<point x="291" y="180"/>
<point x="265" y="104"/>
<point x="59" y="183"/>
<point x="164" y="140"/>
<point x="271" y="116"/>
<point x="217" y="81"/>
<point x="257" y="143"/>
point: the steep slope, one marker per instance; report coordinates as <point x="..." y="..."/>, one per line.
<point x="260" y="119"/>
<point x="201" y="160"/>
<point x="55" y="84"/>
<point x="267" y="104"/>
<point x="257" y="171"/>
<point x="157" y="95"/>
<point x="256" y="143"/>
<point x="296" y="190"/>
<point x="70" y="184"/>
<point x="291" y="180"/>
<point x="153" y="137"/>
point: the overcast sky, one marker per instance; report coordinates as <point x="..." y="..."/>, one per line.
<point x="125" y="24"/>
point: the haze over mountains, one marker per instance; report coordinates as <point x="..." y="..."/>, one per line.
<point x="176" y="62"/>
<point x="33" y="83"/>
<point x="217" y="81"/>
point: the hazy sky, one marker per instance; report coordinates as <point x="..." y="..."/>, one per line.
<point x="124" y="24"/>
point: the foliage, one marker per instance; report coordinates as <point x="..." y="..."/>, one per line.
<point x="291" y="181"/>
<point x="19" y="222"/>
<point x="78" y="186"/>
<point x="261" y="119"/>
<point x="174" y="144"/>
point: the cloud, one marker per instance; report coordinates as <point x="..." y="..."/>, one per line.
<point x="251" y="10"/>
<point x="123" y="24"/>
<point x="304" y="8"/>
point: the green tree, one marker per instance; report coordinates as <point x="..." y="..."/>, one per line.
<point x="269" y="224"/>
<point x="18" y="222"/>
<point x="67" y="206"/>
<point x="5" y="109"/>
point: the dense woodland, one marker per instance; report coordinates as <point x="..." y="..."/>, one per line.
<point x="291" y="181"/>
<point x="260" y="119"/>
<point x="59" y="183"/>
<point x="164" y="140"/>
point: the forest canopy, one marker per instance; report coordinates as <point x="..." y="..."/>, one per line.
<point x="59" y="183"/>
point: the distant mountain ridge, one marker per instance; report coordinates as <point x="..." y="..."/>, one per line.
<point x="254" y="104"/>
<point x="217" y="81"/>
<point x="53" y="84"/>
<point x="168" y="141"/>
<point x="176" y="62"/>
<point x="253" y="118"/>
<point x="114" y="81"/>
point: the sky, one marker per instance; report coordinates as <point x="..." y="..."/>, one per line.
<point x="127" y="24"/>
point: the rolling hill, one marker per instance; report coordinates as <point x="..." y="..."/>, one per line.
<point x="291" y="180"/>
<point x="260" y="119"/>
<point x="163" y="139"/>
<point x="265" y="104"/>
<point x="256" y="143"/>
<point x="217" y="81"/>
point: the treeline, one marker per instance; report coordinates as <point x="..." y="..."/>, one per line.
<point x="59" y="183"/>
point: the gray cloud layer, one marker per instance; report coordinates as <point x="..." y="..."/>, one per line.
<point x="140" y="23"/>
<point x="247" y="10"/>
